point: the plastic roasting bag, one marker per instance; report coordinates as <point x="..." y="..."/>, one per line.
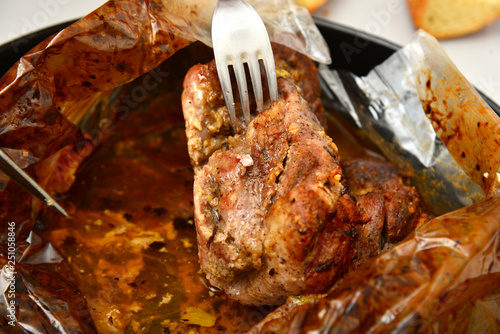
<point x="61" y="101"/>
<point x="417" y="108"/>
<point x="68" y="80"/>
<point x="444" y="277"/>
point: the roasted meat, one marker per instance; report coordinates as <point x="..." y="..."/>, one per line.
<point x="274" y="212"/>
<point x="443" y="278"/>
<point x="207" y="120"/>
<point x="388" y="207"/>
<point x="263" y="201"/>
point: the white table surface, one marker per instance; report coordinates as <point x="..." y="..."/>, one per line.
<point x="476" y="55"/>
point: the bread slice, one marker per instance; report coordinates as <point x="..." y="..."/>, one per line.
<point x="311" y="5"/>
<point x="453" y="18"/>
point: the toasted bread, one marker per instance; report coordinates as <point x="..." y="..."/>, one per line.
<point x="311" y="5"/>
<point x="452" y="18"/>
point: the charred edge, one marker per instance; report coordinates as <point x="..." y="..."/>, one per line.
<point x="330" y="152"/>
<point x="345" y="186"/>
<point x="278" y="178"/>
<point x="215" y="216"/>
<point x="350" y="233"/>
<point x="211" y="239"/>
<point x="351" y="196"/>
<point x="384" y="236"/>
<point x="324" y="266"/>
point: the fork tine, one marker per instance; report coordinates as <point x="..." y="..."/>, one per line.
<point x="241" y="81"/>
<point x="227" y="90"/>
<point x="239" y="35"/>
<point x="269" y="65"/>
<point x="254" y="67"/>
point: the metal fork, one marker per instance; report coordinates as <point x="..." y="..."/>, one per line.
<point x="9" y="167"/>
<point x="239" y="36"/>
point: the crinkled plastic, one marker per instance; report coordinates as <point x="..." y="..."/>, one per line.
<point x="444" y="277"/>
<point x="284" y="20"/>
<point x="110" y="47"/>
<point x="44" y="290"/>
<point x="426" y="118"/>
<point x="114" y="265"/>
<point x="460" y="117"/>
<point x="129" y="245"/>
<point x="63" y="99"/>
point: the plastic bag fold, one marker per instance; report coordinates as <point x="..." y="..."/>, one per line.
<point x="426" y="118"/>
<point x="445" y="277"/>
<point x="58" y="103"/>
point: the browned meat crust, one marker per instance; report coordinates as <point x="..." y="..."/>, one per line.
<point x="265" y="206"/>
<point x="302" y="71"/>
<point x="207" y="119"/>
<point x="430" y="282"/>
<point x="275" y="215"/>
<point x="390" y="209"/>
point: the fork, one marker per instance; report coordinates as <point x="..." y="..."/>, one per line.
<point x="238" y="37"/>
<point x="9" y="167"/>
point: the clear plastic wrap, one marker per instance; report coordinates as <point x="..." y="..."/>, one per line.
<point x="445" y="277"/>
<point x="62" y="100"/>
<point x="284" y="19"/>
<point x="111" y="46"/>
<point x="423" y="115"/>
<point x="126" y="261"/>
